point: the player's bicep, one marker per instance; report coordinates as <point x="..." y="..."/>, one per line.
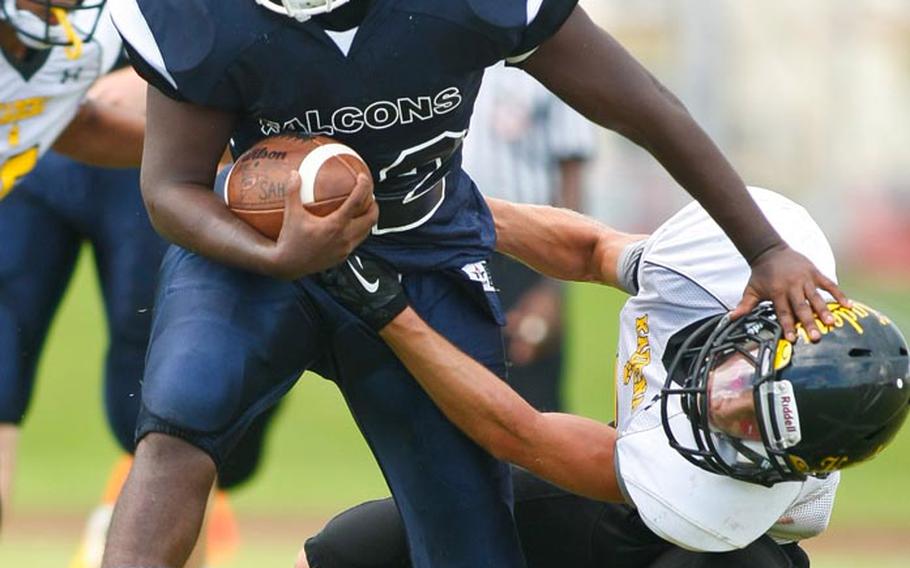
<point x="184" y="142"/>
<point x="577" y="454"/>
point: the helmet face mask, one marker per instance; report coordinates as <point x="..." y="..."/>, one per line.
<point x="726" y="366"/>
<point x="301" y="10"/>
<point x="764" y="411"/>
<point x="47" y="23"/>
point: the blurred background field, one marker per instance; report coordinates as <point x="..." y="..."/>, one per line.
<point x="317" y="464"/>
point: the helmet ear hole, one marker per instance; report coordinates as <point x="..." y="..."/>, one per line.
<point x="904" y="351"/>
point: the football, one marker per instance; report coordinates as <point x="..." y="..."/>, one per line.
<point x="259" y="179"/>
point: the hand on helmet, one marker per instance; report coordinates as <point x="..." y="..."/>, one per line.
<point x="792" y="283"/>
<point x="368" y="287"/>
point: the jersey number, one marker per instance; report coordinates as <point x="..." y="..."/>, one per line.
<point x="15" y="168"/>
<point x="416" y="169"/>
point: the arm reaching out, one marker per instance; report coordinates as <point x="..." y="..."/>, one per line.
<point x="560" y="243"/>
<point x="592" y="72"/>
<point x="573" y="452"/>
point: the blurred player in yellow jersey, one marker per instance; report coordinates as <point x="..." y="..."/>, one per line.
<point x="50" y="204"/>
<point x="52" y="53"/>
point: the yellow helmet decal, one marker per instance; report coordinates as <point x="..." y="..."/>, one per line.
<point x="783" y="354"/>
<point x="843" y="316"/>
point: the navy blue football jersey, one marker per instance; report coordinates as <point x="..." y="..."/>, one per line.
<point x="399" y="89"/>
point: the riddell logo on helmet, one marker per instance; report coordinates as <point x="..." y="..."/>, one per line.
<point x="791" y="422"/>
<point x="786" y="413"/>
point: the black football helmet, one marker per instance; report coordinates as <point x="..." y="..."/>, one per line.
<point x="51" y="26"/>
<point x="764" y="410"/>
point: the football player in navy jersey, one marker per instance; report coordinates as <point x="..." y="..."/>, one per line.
<point x="237" y="317"/>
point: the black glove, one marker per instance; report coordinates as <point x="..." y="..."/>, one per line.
<point x="368" y="287"/>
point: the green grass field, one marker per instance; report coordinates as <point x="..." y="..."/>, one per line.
<point x="317" y="464"/>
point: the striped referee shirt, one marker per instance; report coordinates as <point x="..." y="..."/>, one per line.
<point x="519" y="134"/>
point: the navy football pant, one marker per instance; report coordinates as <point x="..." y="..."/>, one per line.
<point x="226" y="345"/>
<point x="557" y="529"/>
<point x="43" y="224"/>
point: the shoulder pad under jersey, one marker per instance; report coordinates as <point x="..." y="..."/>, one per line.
<point x="518" y="27"/>
<point x="185" y="48"/>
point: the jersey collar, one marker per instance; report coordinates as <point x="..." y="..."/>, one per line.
<point x="33" y="61"/>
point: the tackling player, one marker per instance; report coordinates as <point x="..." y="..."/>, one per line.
<point x="237" y="320"/>
<point x="728" y="438"/>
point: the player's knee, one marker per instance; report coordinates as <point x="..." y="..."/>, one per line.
<point x="193" y="389"/>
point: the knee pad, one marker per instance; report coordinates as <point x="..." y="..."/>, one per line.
<point x="370" y="535"/>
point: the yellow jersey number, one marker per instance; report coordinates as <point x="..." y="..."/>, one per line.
<point x="15" y="168"/>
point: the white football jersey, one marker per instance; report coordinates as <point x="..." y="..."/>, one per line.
<point x="690" y="270"/>
<point x="39" y="97"/>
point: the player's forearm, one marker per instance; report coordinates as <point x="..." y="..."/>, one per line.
<point x="606" y="84"/>
<point x="691" y="157"/>
<point x="195" y="218"/>
<point x="571" y="451"/>
<point x="104" y="136"/>
<point x="559" y="243"/>
<point x="475" y="399"/>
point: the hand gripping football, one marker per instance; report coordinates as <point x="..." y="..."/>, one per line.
<point x="259" y="179"/>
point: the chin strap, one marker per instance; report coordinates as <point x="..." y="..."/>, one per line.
<point x="73" y="51"/>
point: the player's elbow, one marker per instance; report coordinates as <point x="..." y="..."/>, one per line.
<point x="504" y="446"/>
<point x="155" y="198"/>
<point x="150" y="198"/>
